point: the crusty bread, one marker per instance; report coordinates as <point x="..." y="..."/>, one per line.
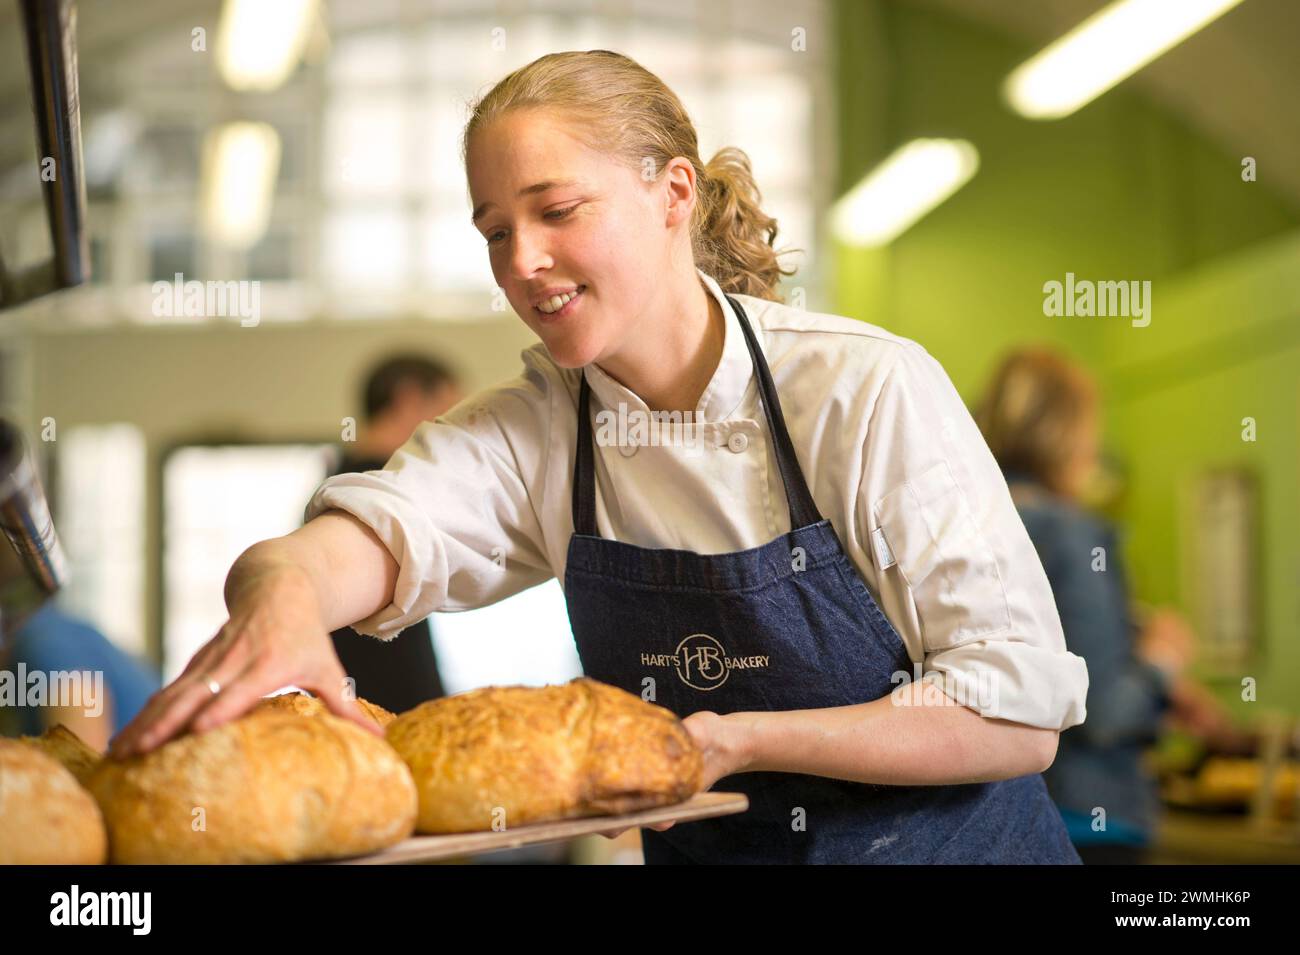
<point x="508" y="756"/>
<point x="271" y="787"/>
<point x="46" y="817"/>
<point x="74" y="753"/>
<point x="305" y="704"/>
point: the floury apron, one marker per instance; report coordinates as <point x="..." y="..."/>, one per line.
<point x="759" y="629"/>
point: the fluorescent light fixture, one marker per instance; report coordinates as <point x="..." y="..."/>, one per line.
<point x="912" y="181"/>
<point x="1109" y="46"/>
<point x="240" y="163"/>
<point x="259" y="42"/>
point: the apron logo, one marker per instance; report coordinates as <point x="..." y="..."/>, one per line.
<point x="702" y="663"/>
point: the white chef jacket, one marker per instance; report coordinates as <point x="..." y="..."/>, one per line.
<point x="477" y="505"/>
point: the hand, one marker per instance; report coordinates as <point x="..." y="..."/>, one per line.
<point x="723" y="741"/>
<point x="1166" y="642"/>
<point x="274" y="638"/>
<point x="1196" y="710"/>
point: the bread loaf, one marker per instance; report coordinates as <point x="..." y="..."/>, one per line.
<point x="501" y="757"/>
<point x="306" y="705"/>
<point x="74" y="753"/>
<point x="268" y="787"/>
<point x="46" y="817"/>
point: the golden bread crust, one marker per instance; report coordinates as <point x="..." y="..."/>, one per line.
<point x="268" y="787"/>
<point x="72" y="752"/>
<point x="306" y="705"/>
<point x="514" y="755"/>
<point x="46" y="817"/>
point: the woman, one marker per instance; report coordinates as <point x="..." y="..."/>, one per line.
<point x="1040" y="418"/>
<point x="734" y="572"/>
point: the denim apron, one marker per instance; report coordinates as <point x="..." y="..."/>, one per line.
<point x="788" y="625"/>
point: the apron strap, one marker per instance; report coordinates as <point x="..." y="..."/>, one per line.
<point x="803" y="510"/>
<point x="584" y="470"/>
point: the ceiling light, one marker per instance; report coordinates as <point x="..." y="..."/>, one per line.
<point x="1109" y="46"/>
<point x="913" y="180"/>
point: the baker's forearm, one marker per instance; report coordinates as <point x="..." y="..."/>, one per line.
<point x="901" y="739"/>
<point x="347" y="567"/>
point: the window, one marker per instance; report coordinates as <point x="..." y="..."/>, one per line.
<point x="371" y="213"/>
<point x="524" y="639"/>
<point x="396" y="212"/>
<point x="99" y="513"/>
<point x="217" y="501"/>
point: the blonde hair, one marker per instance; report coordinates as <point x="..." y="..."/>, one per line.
<point x="1034" y="413"/>
<point x="623" y="108"/>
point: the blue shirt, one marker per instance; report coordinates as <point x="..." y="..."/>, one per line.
<point x="51" y="640"/>
<point x="1099" y="762"/>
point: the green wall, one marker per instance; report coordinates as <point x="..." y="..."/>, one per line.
<point x="1120" y="190"/>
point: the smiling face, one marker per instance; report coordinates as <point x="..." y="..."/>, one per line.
<point x="596" y="224"/>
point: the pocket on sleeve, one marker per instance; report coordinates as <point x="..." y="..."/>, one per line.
<point x="945" y="560"/>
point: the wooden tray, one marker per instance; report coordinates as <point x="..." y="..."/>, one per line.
<point x="430" y="848"/>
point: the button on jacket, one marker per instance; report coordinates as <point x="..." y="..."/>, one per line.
<point x="477" y="505"/>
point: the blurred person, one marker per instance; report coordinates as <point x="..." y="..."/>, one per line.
<point x="1040" y="417"/>
<point x="399" y="393"/>
<point x="52" y="641"/>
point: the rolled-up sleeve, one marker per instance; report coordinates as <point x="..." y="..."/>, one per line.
<point x="965" y="578"/>
<point x="453" y="505"/>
